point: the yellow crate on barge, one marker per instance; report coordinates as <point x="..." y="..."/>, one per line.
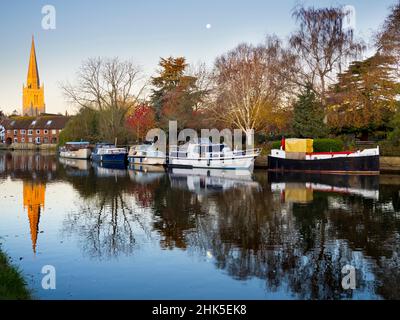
<point x="299" y="145"/>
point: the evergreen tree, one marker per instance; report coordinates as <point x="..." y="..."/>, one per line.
<point x="175" y="94"/>
<point x="365" y="97"/>
<point x="308" y="117"/>
<point x="394" y="136"/>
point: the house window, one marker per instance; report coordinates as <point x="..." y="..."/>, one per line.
<point x="37" y="131"/>
<point x="16" y="140"/>
<point x="37" y="140"/>
<point x="23" y="140"/>
<point x="30" y="132"/>
<point x="49" y="122"/>
<point x="33" y="122"/>
<point x="23" y="131"/>
<point x="8" y="131"/>
<point x="30" y="140"/>
<point x="54" y="131"/>
<point x="15" y="132"/>
<point x="46" y="131"/>
<point x="46" y="140"/>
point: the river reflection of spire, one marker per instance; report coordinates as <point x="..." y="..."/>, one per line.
<point x="244" y="227"/>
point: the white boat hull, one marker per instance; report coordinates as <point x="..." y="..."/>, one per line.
<point x="243" y="162"/>
<point x="78" y="154"/>
<point x="147" y="160"/>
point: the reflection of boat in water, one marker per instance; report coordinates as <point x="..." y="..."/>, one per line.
<point x="299" y="187"/>
<point x="210" y="180"/>
<point x="75" y="163"/>
<point x="109" y="169"/>
<point x="75" y="167"/>
<point x="145" y="173"/>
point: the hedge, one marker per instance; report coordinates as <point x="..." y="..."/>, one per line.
<point x="320" y="145"/>
<point x="389" y="149"/>
<point x="328" y="145"/>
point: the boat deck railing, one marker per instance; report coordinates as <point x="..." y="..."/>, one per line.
<point x="214" y="154"/>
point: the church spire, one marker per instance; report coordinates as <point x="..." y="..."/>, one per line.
<point x="33" y="73"/>
<point x="33" y="94"/>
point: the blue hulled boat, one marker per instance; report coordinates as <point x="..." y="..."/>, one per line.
<point x="106" y="152"/>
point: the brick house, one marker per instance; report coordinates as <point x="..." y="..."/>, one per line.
<point x="44" y="129"/>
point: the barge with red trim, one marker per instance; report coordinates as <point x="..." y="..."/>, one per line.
<point x="298" y="155"/>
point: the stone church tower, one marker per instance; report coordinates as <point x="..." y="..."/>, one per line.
<point x="33" y="94"/>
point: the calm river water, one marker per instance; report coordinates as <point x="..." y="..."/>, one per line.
<point x="143" y="233"/>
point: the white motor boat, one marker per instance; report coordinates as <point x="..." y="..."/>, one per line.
<point x="205" y="154"/>
<point x="146" y="154"/>
<point x="76" y="150"/>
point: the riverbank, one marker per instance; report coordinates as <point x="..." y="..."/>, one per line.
<point x="28" y="146"/>
<point x="12" y="284"/>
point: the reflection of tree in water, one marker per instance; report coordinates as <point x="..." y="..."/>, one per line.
<point x="176" y="212"/>
<point x="107" y="222"/>
<point x="302" y="250"/>
<point x="298" y="248"/>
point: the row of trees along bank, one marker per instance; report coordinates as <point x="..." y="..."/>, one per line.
<point x="319" y="83"/>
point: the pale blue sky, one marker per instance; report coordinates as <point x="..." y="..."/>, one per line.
<point x="142" y="31"/>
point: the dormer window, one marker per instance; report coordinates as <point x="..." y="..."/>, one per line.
<point x="33" y="123"/>
<point x="49" y="122"/>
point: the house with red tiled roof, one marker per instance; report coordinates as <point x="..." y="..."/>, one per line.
<point x="44" y="129"/>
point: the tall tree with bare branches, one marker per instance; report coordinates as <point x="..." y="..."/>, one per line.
<point x="109" y="86"/>
<point x="250" y="89"/>
<point x="323" y="45"/>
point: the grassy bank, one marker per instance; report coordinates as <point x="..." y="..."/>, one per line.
<point x="12" y="284"/>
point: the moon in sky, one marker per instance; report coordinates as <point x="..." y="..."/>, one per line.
<point x="208" y="26"/>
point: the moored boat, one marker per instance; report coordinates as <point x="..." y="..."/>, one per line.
<point x="76" y="150"/>
<point x="146" y="154"/>
<point x="204" y="154"/>
<point x="106" y="152"/>
<point x="298" y="155"/>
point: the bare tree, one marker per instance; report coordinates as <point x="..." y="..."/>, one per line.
<point x="204" y="83"/>
<point x="323" y="45"/>
<point x="250" y="87"/>
<point x="109" y="86"/>
<point x="388" y="38"/>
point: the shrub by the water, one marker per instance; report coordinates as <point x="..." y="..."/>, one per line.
<point x="320" y="145"/>
<point x="12" y="284"/>
<point x="328" y="145"/>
